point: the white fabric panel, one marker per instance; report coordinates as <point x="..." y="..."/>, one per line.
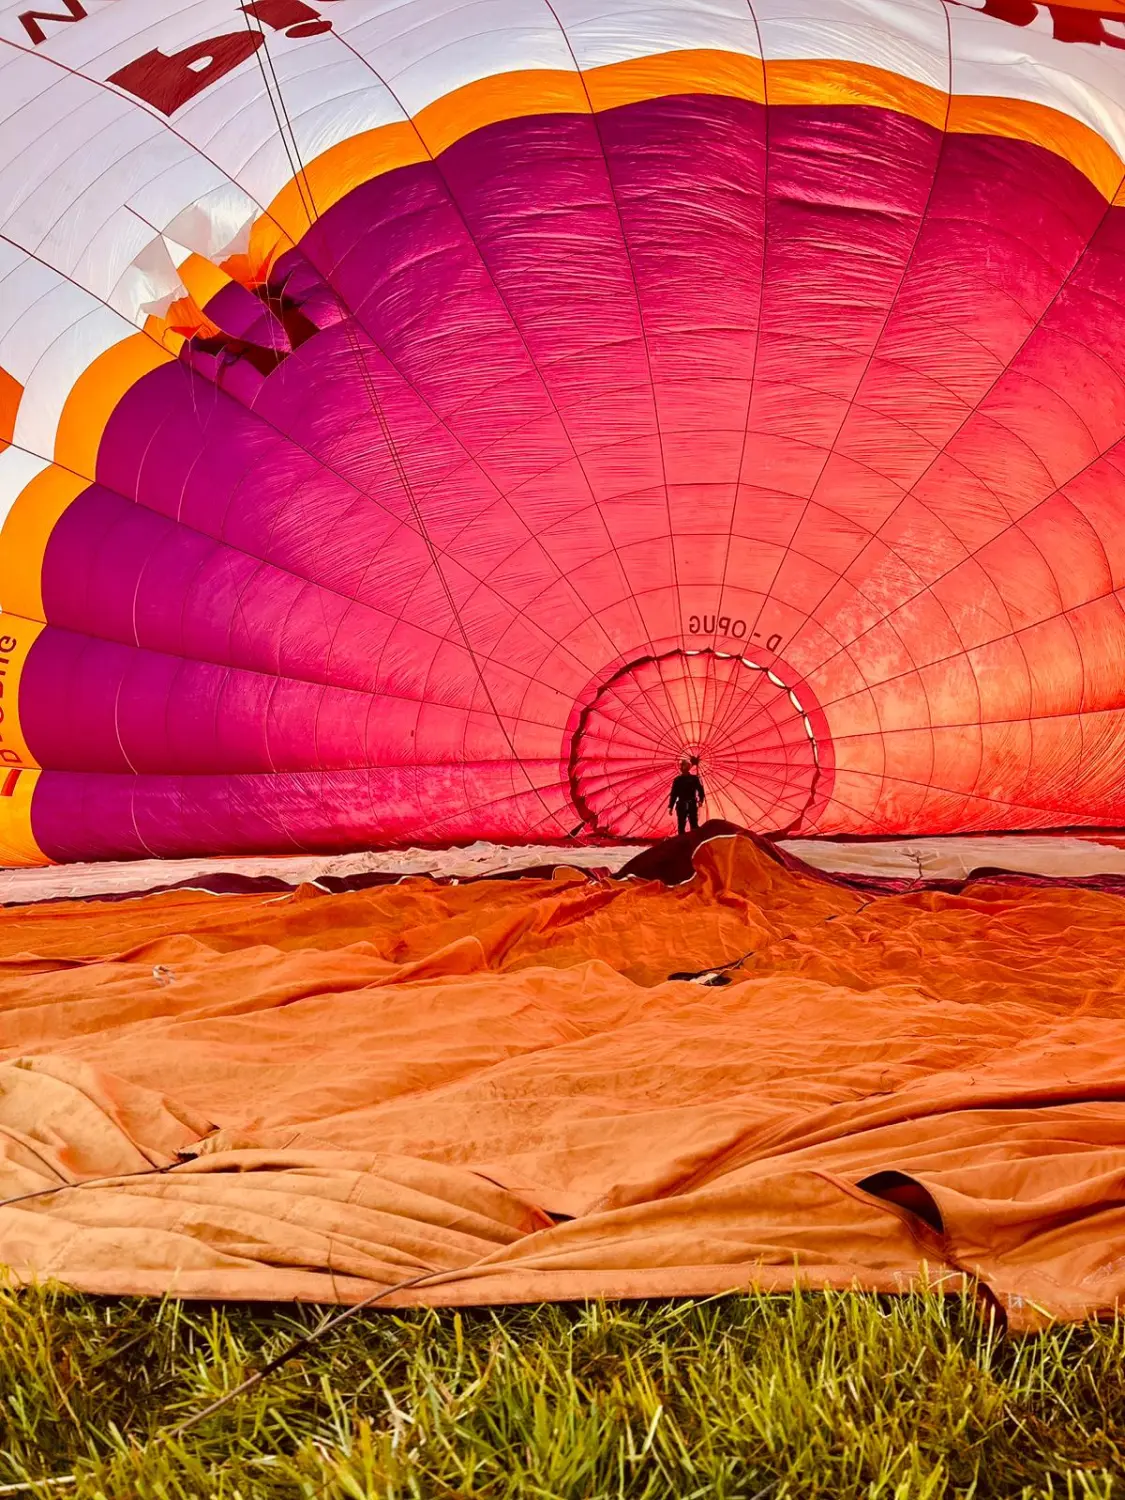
<point x="233" y="124"/>
<point x="217" y="224"/>
<point x="79" y="122"/>
<point x="22" y="282"/>
<point x="58" y="120"/>
<point x="17" y="469"/>
<point x="330" y="93"/>
<point x="60" y="364"/>
<point x="909" y="37"/>
<point x="149" y="284"/>
<point x="110" y="176"/>
<point x="36" y="305"/>
<point x="426" y="48"/>
<point x="157" y="197"/>
<point x="110" y="257"/>
<point x="69" y="204"/>
<point x="609" y="31"/>
<point x="324" y="94"/>
<point x="1087" y="82"/>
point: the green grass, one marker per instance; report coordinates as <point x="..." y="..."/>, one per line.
<point x="836" y="1396"/>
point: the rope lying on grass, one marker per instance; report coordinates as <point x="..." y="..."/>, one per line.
<point x="298" y="1346"/>
<point x="291" y="1351"/>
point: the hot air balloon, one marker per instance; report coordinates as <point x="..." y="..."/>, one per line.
<point x="425" y="423"/>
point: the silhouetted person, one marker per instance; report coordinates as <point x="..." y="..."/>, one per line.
<point x="686" y="796"/>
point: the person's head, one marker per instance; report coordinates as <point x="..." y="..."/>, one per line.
<point x="685" y="765"/>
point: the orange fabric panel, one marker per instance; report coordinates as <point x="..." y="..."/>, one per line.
<point x="18" y="848"/>
<point x="688" y="71"/>
<point x="17" y="636"/>
<point x="530" y="91"/>
<point x="810" y="81"/>
<point x="94" y="396"/>
<point x="1022" y="120"/>
<point x="202" y="278"/>
<point x="333" y="174"/>
<point x="26" y="532"/>
<point x="11" y="393"/>
<point x="496" y="1085"/>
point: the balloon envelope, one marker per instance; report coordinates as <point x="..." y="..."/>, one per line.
<point x="431" y="422"/>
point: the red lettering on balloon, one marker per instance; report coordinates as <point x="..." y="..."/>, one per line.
<point x="292" y="16"/>
<point x="1069" y="23"/>
<point x="32" y="20"/>
<point x="1085" y="26"/>
<point x="169" y="81"/>
<point x="1015" y="12"/>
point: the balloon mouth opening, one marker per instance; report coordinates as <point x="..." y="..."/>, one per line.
<point x="741" y="724"/>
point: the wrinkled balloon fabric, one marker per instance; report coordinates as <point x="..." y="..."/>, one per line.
<point x="429" y="422"/>
<point x="495" y="1086"/>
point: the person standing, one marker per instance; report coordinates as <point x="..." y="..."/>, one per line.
<point x="686" y="797"/>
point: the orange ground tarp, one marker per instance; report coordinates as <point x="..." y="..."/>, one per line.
<point x="496" y="1085"/>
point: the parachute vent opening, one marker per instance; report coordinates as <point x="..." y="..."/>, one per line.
<point x="758" y="756"/>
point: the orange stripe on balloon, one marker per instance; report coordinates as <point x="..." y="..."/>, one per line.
<point x="1021" y="120"/>
<point x="11" y="393"/>
<point x="184" y="319"/>
<point x="849" y="83"/>
<point x="95" y="394"/>
<point x="23" y="540"/>
<point x="508" y="96"/>
<point x="702" y="71"/>
<point x="202" y="279"/>
<point x="333" y="174"/>
<point x="336" y="171"/>
<point x="17" y="636"/>
<point x="158" y="329"/>
<point x="268" y="241"/>
<point x="17" y="842"/>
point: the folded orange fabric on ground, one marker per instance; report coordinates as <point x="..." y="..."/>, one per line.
<point x="496" y="1087"/>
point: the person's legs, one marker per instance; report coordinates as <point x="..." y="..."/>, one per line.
<point x="682" y="814"/>
<point x="693" y="818"/>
